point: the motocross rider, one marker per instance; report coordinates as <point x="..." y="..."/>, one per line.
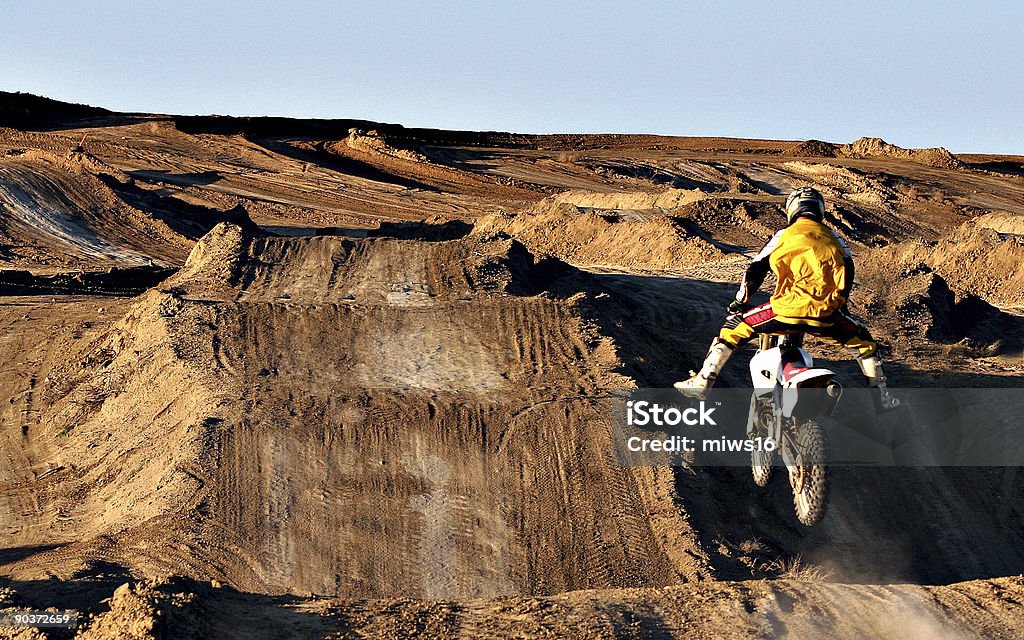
<point x="813" y="268"/>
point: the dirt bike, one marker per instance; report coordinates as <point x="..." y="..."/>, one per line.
<point x="790" y="397"/>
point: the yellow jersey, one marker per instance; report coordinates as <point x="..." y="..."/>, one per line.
<point x="813" y="266"/>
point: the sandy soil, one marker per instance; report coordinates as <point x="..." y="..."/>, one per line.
<point x="369" y="401"/>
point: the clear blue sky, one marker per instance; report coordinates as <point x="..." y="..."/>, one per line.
<point x="917" y="73"/>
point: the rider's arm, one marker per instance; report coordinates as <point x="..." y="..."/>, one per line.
<point x="848" y="264"/>
<point x="758" y="270"/>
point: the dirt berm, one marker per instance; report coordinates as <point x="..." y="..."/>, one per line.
<point x="361" y="418"/>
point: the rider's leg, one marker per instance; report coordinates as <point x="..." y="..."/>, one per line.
<point x="736" y="331"/>
<point x="857" y="339"/>
<point x="699" y="382"/>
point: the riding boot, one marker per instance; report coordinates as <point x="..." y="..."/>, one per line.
<point x="699" y="383"/>
<point x="871" y="367"/>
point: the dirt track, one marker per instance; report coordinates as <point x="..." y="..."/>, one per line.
<point x="416" y="418"/>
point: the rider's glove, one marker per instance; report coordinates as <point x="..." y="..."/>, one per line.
<point x="736" y="307"/>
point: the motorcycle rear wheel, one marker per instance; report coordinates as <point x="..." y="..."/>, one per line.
<point x="809" y="478"/>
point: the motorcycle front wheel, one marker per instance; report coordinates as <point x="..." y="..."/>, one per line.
<point x="809" y="476"/>
<point x="760" y="460"/>
<point x="761" y="466"/>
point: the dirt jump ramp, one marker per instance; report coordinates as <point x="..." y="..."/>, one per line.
<point x="361" y="418"/>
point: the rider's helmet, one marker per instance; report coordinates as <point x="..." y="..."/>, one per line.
<point x="805" y="202"/>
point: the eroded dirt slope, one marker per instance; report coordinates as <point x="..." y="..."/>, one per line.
<point x="75" y="212"/>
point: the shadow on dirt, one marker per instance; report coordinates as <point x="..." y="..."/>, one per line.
<point x="117" y="281"/>
<point x="84" y="591"/>
<point x="36" y="113"/>
<point x="634" y="170"/>
<point x="13" y="554"/>
<point x="971" y="322"/>
<point x="661" y="325"/>
<point x="1006" y="167"/>
<point x="640" y="621"/>
<point x="474" y="160"/>
<point x="191" y="220"/>
<point x="933" y="525"/>
<point x="897" y="524"/>
<point x="423" y="231"/>
<point x="198" y="179"/>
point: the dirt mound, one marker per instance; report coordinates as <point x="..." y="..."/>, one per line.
<point x="641" y="240"/>
<point x="878" y="148"/>
<point x="233" y="263"/>
<point x="862" y="206"/>
<point x="78" y="212"/>
<point x="984" y="257"/>
<point x="692" y="229"/>
<point x="356" y="417"/>
<point x="813" y="149"/>
<point x="875" y="148"/>
<point x="896" y="287"/>
<point x="1004" y="223"/>
<point x="736" y="223"/>
<point x="840" y="182"/>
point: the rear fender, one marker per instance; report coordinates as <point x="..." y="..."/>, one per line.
<point x="816" y="403"/>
